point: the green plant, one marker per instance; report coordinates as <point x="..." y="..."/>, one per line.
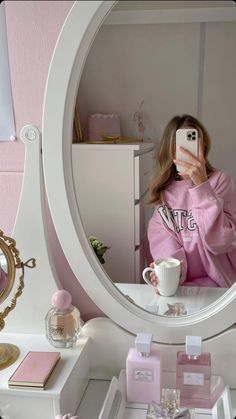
<point x="99" y="248"/>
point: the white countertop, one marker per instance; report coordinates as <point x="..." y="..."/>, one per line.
<point x="26" y="343"/>
<point x="194" y="298"/>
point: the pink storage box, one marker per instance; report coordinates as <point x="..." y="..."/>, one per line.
<point x="100" y="124"/>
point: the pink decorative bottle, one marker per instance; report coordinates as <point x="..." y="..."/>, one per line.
<point x="193" y="373"/>
<point x="62" y="321"/>
<point x="143" y="371"/>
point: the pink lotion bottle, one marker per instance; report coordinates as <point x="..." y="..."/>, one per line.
<point x="193" y="372"/>
<point x="143" y="371"/>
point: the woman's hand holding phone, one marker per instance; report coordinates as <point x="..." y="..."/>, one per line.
<point x="195" y="169"/>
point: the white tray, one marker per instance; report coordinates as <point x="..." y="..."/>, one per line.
<point x="115" y="405"/>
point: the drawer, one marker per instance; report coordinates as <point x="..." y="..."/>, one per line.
<point x="140" y="227"/>
<point x="143" y="170"/>
<point x="139" y="265"/>
<point x="142" y="215"/>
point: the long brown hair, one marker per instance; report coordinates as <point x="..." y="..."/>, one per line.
<point x="166" y="171"/>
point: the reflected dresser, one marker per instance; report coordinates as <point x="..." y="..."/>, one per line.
<point x="111" y="183"/>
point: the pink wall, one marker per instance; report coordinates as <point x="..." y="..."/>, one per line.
<point x="32" y="31"/>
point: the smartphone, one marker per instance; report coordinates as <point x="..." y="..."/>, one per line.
<point x="188" y="139"/>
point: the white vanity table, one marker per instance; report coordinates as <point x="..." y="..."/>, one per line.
<point x="81" y="381"/>
<point x="193" y="298"/>
<point x="64" y="388"/>
<point x="104" y="342"/>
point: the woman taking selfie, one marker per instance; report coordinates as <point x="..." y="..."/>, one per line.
<point x="195" y="208"/>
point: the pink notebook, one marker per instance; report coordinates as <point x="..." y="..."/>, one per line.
<point x="34" y="370"/>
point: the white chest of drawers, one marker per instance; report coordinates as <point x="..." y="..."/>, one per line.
<point x="64" y="387"/>
<point x="111" y="183"/>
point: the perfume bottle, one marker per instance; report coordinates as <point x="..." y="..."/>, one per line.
<point x="155" y="411"/>
<point x="62" y="321"/>
<point x="193" y="372"/>
<point x="143" y="371"/>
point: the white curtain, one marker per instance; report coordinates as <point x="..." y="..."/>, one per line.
<point x="7" y="123"/>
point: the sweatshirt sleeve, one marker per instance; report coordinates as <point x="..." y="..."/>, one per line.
<point x="164" y="244"/>
<point x="214" y="210"/>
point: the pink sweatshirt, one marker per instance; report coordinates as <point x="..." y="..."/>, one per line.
<point x="197" y="224"/>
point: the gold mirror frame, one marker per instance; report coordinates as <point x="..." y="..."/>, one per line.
<point x="8" y="352"/>
<point x="7" y="245"/>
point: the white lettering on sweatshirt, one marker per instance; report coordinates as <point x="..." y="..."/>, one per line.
<point x="177" y="220"/>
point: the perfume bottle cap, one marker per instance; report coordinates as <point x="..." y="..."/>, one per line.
<point x="61" y="299"/>
<point x="193" y="345"/>
<point x="143" y="343"/>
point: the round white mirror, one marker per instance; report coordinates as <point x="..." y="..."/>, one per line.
<point x="64" y="76"/>
<point x="143" y="67"/>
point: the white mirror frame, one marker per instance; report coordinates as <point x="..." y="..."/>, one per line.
<point x="65" y="72"/>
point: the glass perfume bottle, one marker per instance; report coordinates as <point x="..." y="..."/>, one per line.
<point x="62" y="321"/>
<point x="143" y="371"/>
<point x="155" y="411"/>
<point x="193" y="372"/>
<point x="170" y="401"/>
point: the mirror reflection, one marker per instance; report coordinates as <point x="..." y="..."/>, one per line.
<point x="148" y="86"/>
<point x="3" y="271"/>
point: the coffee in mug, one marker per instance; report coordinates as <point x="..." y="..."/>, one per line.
<point x="168" y="272"/>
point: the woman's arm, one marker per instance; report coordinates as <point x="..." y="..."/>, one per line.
<point x="214" y="210"/>
<point x="165" y="244"/>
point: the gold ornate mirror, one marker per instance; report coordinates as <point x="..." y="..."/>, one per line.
<point x="9" y="263"/>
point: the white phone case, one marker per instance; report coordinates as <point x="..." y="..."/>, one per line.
<point x="188" y="139"/>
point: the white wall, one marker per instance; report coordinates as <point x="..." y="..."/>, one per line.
<point x="219" y="98"/>
<point x="160" y="64"/>
<point x="129" y="63"/>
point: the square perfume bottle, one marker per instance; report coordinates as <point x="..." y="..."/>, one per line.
<point x="143" y="371"/>
<point x="193" y="370"/>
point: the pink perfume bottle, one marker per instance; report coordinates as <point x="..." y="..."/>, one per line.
<point x="193" y="373"/>
<point x="62" y="321"/>
<point x="143" y="371"/>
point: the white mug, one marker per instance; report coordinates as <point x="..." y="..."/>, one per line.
<point x="167" y="271"/>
